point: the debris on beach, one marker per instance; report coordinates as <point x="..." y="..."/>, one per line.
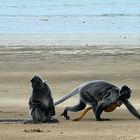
<point x="33" y="130"/>
<point x="48" y="131"/>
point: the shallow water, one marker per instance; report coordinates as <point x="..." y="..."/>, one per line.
<point x="69" y="17"/>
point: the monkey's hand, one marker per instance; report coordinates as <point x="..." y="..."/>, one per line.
<point x="65" y="114"/>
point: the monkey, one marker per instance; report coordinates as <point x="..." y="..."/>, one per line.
<point x="41" y="103"/>
<point x="100" y="95"/>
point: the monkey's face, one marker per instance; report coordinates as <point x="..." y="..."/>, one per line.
<point x="37" y="82"/>
<point x="126" y="92"/>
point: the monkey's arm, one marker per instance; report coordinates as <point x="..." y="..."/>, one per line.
<point x="51" y="106"/>
<point x="50" y="100"/>
<point x="131" y="108"/>
<point x="106" y="104"/>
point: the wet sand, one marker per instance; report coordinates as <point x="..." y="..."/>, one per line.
<point x="65" y="68"/>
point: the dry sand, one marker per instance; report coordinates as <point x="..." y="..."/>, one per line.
<point x="64" y="68"/>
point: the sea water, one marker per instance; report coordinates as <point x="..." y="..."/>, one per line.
<point x="69" y="16"/>
<point x="69" y="22"/>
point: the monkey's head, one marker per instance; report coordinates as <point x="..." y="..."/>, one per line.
<point x="37" y="82"/>
<point x="125" y="92"/>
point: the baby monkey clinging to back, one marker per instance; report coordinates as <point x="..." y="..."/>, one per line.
<point x="101" y="96"/>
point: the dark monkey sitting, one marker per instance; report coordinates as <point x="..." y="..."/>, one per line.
<point x="41" y="102"/>
<point x="101" y="96"/>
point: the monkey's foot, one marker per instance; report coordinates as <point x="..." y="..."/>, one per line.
<point x="76" y="119"/>
<point x="53" y="120"/>
<point x="65" y="115"/>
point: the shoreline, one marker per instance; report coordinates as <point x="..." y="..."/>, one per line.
<point x="102" y="39"/>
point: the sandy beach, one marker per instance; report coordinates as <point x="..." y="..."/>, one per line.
<point x="68" y="43"/>
<point x="65" y="67"/>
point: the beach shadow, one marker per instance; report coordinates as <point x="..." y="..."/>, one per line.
<point x="110" y="120"/>
<point x="15" y="121"/>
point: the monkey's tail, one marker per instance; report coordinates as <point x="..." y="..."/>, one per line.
<point x="67" y="96"/>
<point x="83" y="113"/>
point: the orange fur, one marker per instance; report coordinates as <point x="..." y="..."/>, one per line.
<point x="83" y="113"/>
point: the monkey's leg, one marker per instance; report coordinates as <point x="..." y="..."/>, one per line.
<point x="83" y="114"/>
<point x="131" y="108"/>
<point x="98" y="112"/>
<point x="90" y="99"/>
<point x="75" y="108"/>
<point x="94" y="106"/>
<point x="50" y="119"/>
<point x="103" y="104"/>
<point x="38" y="115"/>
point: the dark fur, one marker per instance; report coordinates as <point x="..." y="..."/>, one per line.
<point x="100" y="95"/>
<point x="41" y="102"/>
